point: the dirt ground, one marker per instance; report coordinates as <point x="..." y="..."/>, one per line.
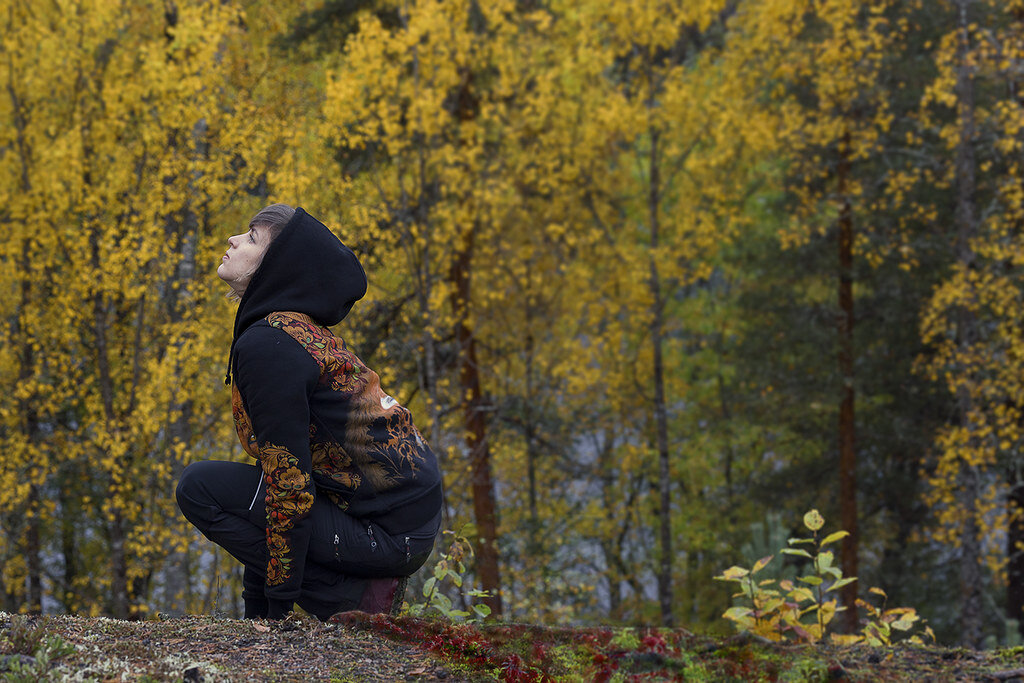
<point x="359" y="647"/>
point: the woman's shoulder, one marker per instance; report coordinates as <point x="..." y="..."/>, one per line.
<point x="303" y="329"/>
<point x="263" y="349"/>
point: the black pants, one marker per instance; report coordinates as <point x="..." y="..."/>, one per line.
<point x="225" y="501"/>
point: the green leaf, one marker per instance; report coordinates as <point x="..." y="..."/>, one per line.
<point x="801" y="594"/>
<point x="842" y="582"/>
<point x="831" y="538"/>
<point x="482" y="610"/>
<point x="737" y="613"/>
<point x="823" y="561"/>
<point x="455" y="577"/>
<point x="813" y="520"/>
<point x="797" y="551"/>
<point x="812" y="580"/>
<point x="905" y="623"/>
<point x="733" y="574"/>
<point x="428" y="586"/>
<point x="795" y="541"/>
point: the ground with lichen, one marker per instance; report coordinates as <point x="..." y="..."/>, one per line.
<point x="359" y="647"/>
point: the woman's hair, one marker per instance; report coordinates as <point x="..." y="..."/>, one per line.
<point x="273" y="218"/>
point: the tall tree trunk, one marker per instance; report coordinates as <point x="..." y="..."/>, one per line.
<point x="119" y="597"/>
<point x="484" y="506"/>
<point x="29" y="416"/>
<point x="533" y="546"/>
<point x="611" y="546"/>
<point x="966" y="222"/>
<point x="69" y="546"/>
<point x="1015" y="478"/>
<point x="847" y="453"/>
<point x="665" y="593"/>
<point x="30" y="432"/>
<point x="1015" y="553"/>
<point x="33" y="554"/>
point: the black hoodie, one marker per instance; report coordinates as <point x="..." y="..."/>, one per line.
<point x="311" y="412"/>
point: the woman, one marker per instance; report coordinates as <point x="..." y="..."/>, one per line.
<point x="346" y="499"/>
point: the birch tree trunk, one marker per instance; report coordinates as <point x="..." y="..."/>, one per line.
<point x="966" y="227"/>
<point x="847" y="429"/>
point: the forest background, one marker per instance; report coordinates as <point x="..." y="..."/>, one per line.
<point x="655" y="278"/>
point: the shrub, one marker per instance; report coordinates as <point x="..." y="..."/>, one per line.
<point x="802" y="610"/>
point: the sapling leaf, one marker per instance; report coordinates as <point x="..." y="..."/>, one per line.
<point x="823" y="561"/>
<point x="801" y="594"/>
<point x="795" y="541"/>
<point x="832" y="538"/>
<point x="813" y="580"/>
<point x="482" y="610"/>
<point x="868" y="607"/>
<point x="901" y="610"/>
<point x="797" y="551"/>
<point x="428" y="586"/>
<point x="878" y="591"/>
<point x="845" y="640"/>
<point x="828" y="611"/>
<point x="761" y="564"/>
<point x="905" y="623"/>
<point x="455" y="577"/>
<point x="813" y="520"/>
<point x="736" y="613"/>
<point x="733" y="574"/>
<point x="841" y="582"/>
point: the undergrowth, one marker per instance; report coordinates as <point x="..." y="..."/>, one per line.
<point x="803" y="611"/>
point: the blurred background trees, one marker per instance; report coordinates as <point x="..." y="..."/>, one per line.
<point x="648" y="274"/>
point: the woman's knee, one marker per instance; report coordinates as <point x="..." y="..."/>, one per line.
<point x="191" y="493"/>
<point x="186" y="489"/>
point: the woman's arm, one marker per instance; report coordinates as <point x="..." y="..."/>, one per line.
<point x="276" y="378"/>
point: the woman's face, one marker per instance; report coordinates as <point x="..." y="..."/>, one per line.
<point x="243" y="256"/>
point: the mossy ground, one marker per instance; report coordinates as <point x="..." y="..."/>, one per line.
<point x="359" y="647"/>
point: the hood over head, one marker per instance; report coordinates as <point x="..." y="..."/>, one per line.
<point x="307" y="270"/>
